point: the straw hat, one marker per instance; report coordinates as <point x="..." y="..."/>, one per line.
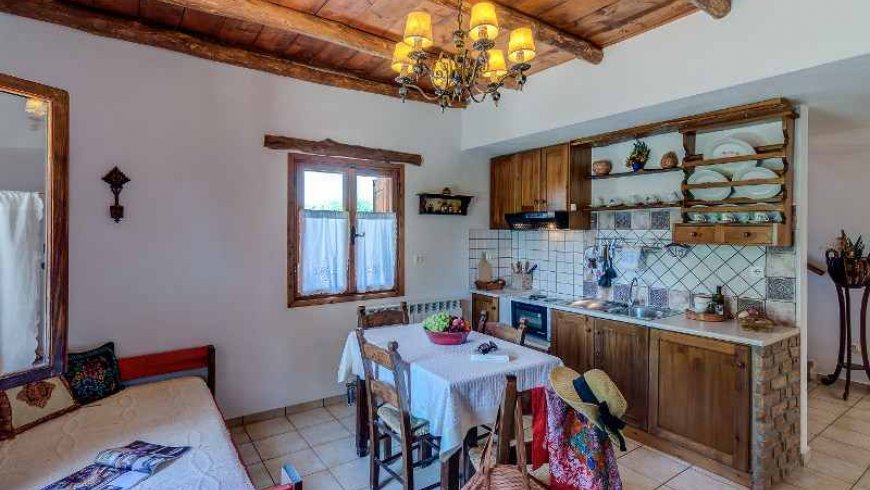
<point x="601" y="390"/>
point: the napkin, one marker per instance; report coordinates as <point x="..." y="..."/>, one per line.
<point x="490" y="358"/>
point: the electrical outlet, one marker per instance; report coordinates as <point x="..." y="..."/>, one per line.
<point x="856" y="347"/>
<point x="418" y="259"/>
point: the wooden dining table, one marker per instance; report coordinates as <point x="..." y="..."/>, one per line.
<point x="448" y="386"/>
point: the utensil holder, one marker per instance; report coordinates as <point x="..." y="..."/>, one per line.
<point x="522" y="280"/>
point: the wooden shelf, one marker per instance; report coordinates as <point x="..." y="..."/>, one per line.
<point x="651" y="171"/>
<point x="740" y="158"/>
<point x="630" y="207"/>
<point x="736" y="209"/>
<point x="734" y="200"/>
<point x="739" y="183"/>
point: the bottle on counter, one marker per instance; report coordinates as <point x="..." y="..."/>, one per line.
<point x="718" y="302"/>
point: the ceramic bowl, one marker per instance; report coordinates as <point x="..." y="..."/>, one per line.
<point x="447" y="338"/>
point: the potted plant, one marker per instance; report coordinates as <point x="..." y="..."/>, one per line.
<point x="638" y="157"/>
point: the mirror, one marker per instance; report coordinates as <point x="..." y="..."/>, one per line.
<point x="33" y="230"/>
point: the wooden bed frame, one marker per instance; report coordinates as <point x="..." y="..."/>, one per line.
<point x="148" y="365"/>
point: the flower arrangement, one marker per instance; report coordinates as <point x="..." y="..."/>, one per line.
<point x="638" y="157"/>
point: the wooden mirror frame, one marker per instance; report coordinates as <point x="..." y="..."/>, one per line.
<point x="57" y="227"/>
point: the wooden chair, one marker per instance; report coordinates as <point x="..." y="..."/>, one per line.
<point x="515" y="335"/>
<point x="382" y="317"/>
<point x="504" y="432"/>
<point x="390" y="419"/>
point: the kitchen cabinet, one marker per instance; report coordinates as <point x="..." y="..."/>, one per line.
<point x="504" y="177"/>
<point x="543" y="179"/>
<point x="622" y="351"/>
<point x="482" y="302"/>
<point x="700" y="396"/>
<point x="732" y="234"/>
<point x="572" y="339"/>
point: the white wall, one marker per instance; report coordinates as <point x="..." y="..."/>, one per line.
<point x="201" y="255"/>
<point x="691" y="56"/>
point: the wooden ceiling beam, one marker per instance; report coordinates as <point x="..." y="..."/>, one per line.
<point x="288" y="19"/>
<point x="101" y="24"/>
<point x="716" y="8"/>
<point x="332" y="148"/>
<point x="511" y="18"/>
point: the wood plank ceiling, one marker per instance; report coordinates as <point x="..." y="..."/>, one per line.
<point x="601" y="23"/>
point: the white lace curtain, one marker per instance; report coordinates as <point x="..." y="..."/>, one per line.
<point x="376" y="251"/>
<point x="323" y="268"/>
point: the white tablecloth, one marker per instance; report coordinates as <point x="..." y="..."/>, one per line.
<point x="447" y="388"/>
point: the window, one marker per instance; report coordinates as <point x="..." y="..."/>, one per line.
<point x="345" y="225"/>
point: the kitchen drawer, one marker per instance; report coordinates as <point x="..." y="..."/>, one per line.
<point x="748" y="235"/>
<point x="694" y="233"/>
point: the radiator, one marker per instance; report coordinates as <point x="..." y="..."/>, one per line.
<point x="419" y="310"/>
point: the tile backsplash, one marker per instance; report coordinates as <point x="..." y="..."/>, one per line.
<point x="751" y="275"/>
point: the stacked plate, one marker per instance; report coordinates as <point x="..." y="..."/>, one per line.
<point x="733" y="172"/>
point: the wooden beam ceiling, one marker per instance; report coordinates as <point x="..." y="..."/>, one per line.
<point x="717" y="8"/>
<point x="94" y="22"/>
<point x="510" y="18"/>
<point x="332" y="148"/>
<point x="288" y="19"/>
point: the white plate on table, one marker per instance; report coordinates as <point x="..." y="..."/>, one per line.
<point x="763" y="191"/>
<point x="703" y="176"/>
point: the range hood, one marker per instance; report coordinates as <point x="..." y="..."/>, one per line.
<point x="538" y="220"/>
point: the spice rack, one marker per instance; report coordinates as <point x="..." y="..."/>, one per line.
<point x="755" y="233"/>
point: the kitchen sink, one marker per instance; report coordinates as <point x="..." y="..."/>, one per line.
<point x="644" y="312"/>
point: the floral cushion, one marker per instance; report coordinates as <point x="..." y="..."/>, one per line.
<point x="93" y="374"/>
<point x="23" y="407"/>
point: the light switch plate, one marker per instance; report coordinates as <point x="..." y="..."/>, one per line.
<point x="753" y="273"/>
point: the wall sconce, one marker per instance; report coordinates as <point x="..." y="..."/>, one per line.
<point x="116" y="180"/>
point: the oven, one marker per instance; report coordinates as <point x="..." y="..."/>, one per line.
<point x="536" y="319"/>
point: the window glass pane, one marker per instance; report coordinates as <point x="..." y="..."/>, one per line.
<point x="324" y="191"/>
<point x="374" y="194"/>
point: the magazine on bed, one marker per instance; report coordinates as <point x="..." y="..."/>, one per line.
<point x="120" y="468"/>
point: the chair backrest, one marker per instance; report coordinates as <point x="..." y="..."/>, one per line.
<point x="380" y="392"/>
<point x="381" y="317"/>
<point x="516" y="335"/>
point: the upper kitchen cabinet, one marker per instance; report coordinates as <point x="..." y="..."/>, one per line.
<point x="543" y="179"/>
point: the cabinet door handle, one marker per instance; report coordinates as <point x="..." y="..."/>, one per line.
<point x="747" y="234"/>
<point x="740" y="364"/>
<point x="693" y="234"/>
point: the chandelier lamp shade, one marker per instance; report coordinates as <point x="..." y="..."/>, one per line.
<point x="474" y="71"/>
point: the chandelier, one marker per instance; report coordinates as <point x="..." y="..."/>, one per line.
<point x="468" y="74"/>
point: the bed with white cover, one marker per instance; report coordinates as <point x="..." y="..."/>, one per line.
<point x="176" y="412"/>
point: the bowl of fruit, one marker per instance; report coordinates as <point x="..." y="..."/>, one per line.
<point x="444" y="329"/>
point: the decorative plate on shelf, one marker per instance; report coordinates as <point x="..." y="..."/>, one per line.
<point x="764" y="191"/>
<point x="704" y="176"/>
<point x="730" y="147"/>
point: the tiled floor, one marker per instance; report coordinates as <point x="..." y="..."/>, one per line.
<point x="320" y="444"/>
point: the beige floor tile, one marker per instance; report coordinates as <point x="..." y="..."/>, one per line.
<point x="286" y="443"/>
<point x="341" y="411"/>
<point x="630" y="445"/>
<point x="854" y="424"/>
<point x="835" y="467"/>
<point x="322" y="480"/>
<point x="323" y="433"/>
<point x="834" y="394"/>
<point x="632" y="480"/>
<point x="653" y="464"/>
<point x="846" y="452"/>
<point x="353" y="475"/>
<point x="823" y="405"/>
<point x="337" y="452"/>
<point x="268" y="428"/>
<point x="696" y="478"/>
<point x="302" y="420"/>
<point x="248" y="454"/>
<point x="239" y="436"/>
<point x="306" y="462"/>
<point x="823" y="415"/>
<point x="266" y="415"/>
<point x="860" y="411"/>
<point x="349" y="423"/>
<point x="784" y="486"/>
<point x="813" y="480"/>
<point x="847" y="436"/>
<point x="422" y="477"/>
<point x="260" y="476"/>
<point x="814" y="427"/>
<point x="864" y="482"/>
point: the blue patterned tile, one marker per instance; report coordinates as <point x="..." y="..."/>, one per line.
<point x="621" y="293"/>
<point x="590" y="289"/>
<point x="623" y="221"/>
<point x="660" y="220"/>
<point x="658" y="298"/>
<point x="780" y="288"/>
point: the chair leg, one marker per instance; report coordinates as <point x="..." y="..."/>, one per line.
<point x="408" y="465"/>
<point x="374" y="458"/>
<point x="388" y="447"/>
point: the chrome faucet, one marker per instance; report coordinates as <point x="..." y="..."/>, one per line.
<point x="632" y="301"/>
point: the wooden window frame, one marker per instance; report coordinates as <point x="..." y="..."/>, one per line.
<point x="297" y="163"/>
